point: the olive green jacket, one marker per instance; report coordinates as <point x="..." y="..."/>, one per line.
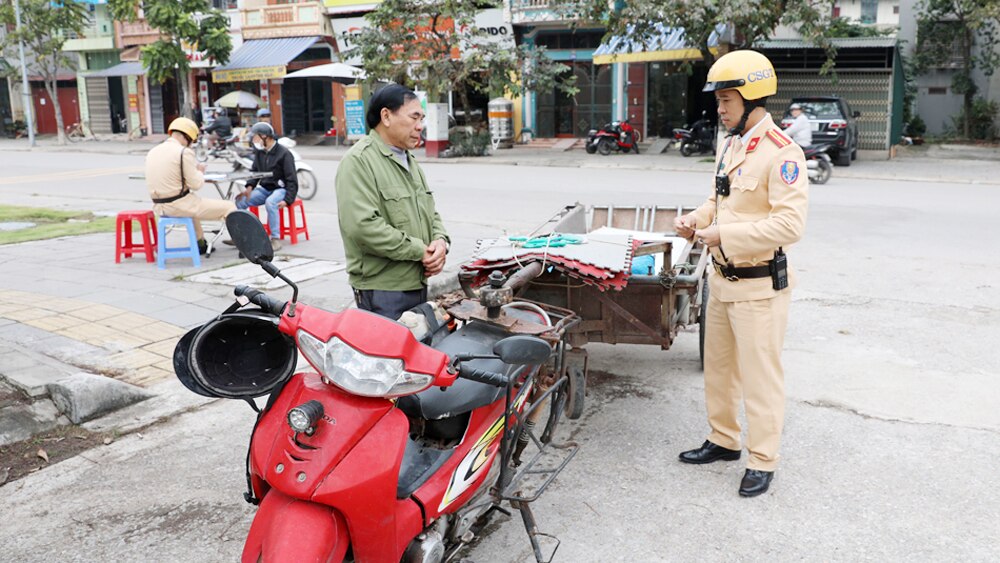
<point x="387" y="217"/>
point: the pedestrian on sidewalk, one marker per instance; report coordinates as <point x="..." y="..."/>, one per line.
<point x="757" y="210"/>
<point x="172" y="177"/>
<point x="278" y="191"/>
<point x="394" y="238"/>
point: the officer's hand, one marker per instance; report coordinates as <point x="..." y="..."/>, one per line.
<point x="710" y="236"/>
<point x="434" y="257"/>
<point x="201" y="167"/>
<point x="684" y="225"/>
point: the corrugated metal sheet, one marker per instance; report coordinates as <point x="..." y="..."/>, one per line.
<point x="121" y="69"/>
<point x="840" y="43"/>
<point x="669" y="43"/>
<point x="267" y="52"/>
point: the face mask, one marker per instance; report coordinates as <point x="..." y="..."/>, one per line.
<point x="259" y="146"/>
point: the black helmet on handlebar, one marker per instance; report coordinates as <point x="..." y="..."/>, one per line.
<point x="236" y="356"/>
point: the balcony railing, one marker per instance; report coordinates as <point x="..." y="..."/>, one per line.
<point x="544" y="11"/>
<point x="132" y="34"/>
<point x="285" y="20"/>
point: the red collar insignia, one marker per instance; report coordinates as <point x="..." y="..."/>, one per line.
<point x="752" y="145"/>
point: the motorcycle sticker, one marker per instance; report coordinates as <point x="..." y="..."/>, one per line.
<point x="477" y="459"/>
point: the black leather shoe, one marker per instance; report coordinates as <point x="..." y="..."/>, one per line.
<point x="755" y="482"/>
<point x="709" y="452"/>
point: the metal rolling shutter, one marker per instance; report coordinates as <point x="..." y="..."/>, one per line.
<point x="98" y="105"/>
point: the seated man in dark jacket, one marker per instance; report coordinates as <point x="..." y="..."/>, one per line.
<point x="275" y="192"/>
<point x="220" y="128"/>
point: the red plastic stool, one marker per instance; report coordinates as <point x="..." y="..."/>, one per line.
<point x="123" y="234"/>
<point x="253" y="209"/>
<point x="289" y="227"/>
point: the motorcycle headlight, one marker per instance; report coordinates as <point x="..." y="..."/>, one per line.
<point x="359" y="373"/>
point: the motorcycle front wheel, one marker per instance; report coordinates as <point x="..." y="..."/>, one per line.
<point x="604" y="147"/>
<point x="307" y="183"/>
<point x="687" y="149"/>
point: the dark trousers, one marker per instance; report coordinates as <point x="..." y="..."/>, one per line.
<point x="391" y="304"/>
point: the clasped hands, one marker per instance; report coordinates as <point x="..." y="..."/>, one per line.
<point x="686" y="226"/>
<point x="434" y="257"/>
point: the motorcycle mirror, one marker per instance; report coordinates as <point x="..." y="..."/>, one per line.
<point x="249" y="235"/>
<point x="522" y="349"/>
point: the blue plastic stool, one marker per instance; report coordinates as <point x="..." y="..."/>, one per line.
<point x="163" y="252"/>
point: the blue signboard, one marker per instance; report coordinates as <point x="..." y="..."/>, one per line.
<point x="354" y="111"/>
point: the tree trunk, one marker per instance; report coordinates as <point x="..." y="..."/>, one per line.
<point x="52" y="87"/>
<point x="463" y="96"/>
<point x="970" y="90"/>
<point x="183" y="80"/>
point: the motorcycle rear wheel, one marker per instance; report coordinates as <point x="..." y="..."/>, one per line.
<point x="687" y="149"/>
<point x="824" y="173"/>
<point x="591" y="148"/>
<point x="307" y="184"/>
<point x="604" y="147"/>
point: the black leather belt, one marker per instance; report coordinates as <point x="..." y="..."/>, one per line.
<point x="171" y="199"/>
<point x="732" y="273"/>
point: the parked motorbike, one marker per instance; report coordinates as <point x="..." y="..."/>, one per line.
<point x="818" y="163"/>
<point x="700" y="137"/>
<point x="615" y="136"/>
<point x="391" y="449"/>
<point x="303" y="171"/>
<point x="205" y="148"/>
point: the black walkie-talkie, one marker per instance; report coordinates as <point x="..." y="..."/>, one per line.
<point x="779" y="270"/>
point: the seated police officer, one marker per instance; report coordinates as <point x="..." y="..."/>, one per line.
<point x="275" y="192"/>
<point x="172" y="177"/>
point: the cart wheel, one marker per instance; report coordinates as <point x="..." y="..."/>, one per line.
<point x="701" y="321"/>
<point x="557" y="407"/>
<point x="576" y="394"/>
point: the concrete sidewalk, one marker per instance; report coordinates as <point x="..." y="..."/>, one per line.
<point x="965" y="164"/>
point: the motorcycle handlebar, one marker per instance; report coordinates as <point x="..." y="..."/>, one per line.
<point x="261" y="299"/>
<point x="483" y="376"/>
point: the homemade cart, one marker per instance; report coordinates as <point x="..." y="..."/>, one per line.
<point x="615" y="274"/>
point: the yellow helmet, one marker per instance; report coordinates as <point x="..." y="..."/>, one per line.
<point x="748" y="72"/>
<point x="184" y="125"/>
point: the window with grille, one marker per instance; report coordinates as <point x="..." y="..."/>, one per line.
<point x="869" y="11"/>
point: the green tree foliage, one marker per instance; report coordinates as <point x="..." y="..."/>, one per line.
<point x="846" y="27"/>
<point x="959" y="34"/>
<point x="745" y="21"/>
<point x="180" y="22"/>
<point x="44" y="25"/>
<point x="436" y="47"/>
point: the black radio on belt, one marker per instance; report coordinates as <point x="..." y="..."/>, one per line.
<point x="722" y="185"/>
<point x="779" y="270"/>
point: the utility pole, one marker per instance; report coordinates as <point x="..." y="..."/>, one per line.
<point x="25" y="90"/>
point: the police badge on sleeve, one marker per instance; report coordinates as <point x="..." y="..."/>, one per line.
<point x="790" y="172"/>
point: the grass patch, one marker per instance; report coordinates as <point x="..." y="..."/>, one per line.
<point x="707" y="160"/>
<point x="51" y="223"/>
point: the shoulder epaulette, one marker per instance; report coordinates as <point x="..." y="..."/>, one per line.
<point x="778" y="138"/>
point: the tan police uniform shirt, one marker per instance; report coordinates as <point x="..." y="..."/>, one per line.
<point x="163" y="179"/>
<point x="766" y="209"/>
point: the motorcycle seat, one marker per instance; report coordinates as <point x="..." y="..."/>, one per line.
<point x="463" y="395"/>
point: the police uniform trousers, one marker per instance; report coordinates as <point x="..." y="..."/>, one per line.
<point x="743" y="343"/>
<point x="193" y="206"/>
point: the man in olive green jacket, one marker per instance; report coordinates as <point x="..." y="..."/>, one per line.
<point x="394" y="238"/>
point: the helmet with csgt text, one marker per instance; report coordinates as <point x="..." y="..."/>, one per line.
<point x="185" y="126"/>
<point x="748" y="72"/>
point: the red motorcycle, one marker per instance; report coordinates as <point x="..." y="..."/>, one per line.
<point x="392" y="449"/>
<point x="615" y="136"/>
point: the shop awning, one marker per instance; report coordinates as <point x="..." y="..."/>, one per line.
<point x="261" y="59"/>
<point x="668" y="44"/>
<point x="121" y="69"/>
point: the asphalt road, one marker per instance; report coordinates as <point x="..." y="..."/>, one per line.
<point x="892" y="428"/>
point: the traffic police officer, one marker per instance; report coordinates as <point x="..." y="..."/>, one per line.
<point x="758" y="209"/>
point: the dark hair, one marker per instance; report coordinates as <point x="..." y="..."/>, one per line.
<point x="391" y="97"/>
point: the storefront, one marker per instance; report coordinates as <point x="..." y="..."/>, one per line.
<point x="299" y="105"/>
<point x="44" y="110"/>
<point x="664" y="80"/>
<point x="108" y="96"/>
